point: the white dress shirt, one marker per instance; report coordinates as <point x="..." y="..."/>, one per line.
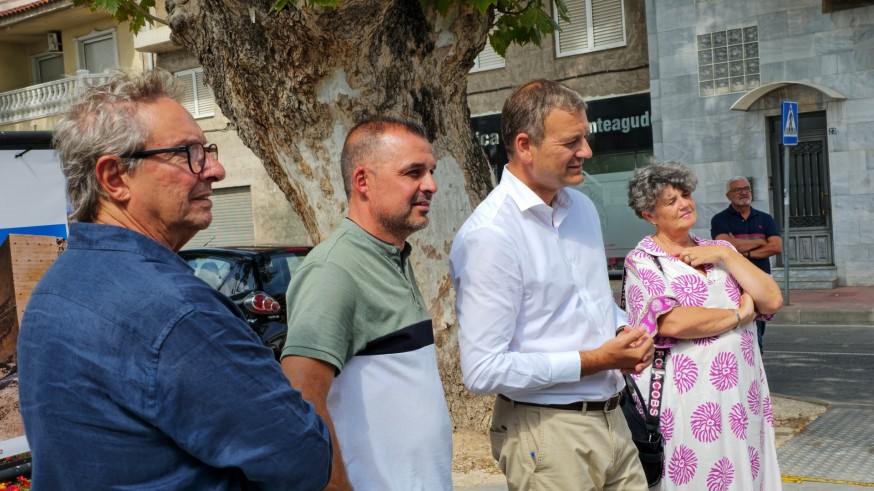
<point x="532" y="292"/>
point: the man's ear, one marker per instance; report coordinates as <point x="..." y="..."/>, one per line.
<point x="111" y="179"/>
<point x="522" y="145"/>
<point x="360" y="185"/>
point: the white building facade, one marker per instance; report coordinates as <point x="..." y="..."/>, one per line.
<point x="719" y="70"/>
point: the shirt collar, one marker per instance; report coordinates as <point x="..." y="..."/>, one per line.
<point x="97" y="236"/>
<point x="526" y="199"/>
<point x="735" y="212"/>
<point x="376" y="244"/>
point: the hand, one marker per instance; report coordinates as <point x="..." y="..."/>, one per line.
<point x="631" y="351"/>
<point x="698" y="255"/>
<point x="647" y="358"/>
<point x="746" y="309"/>
<point x="631" y="329"/>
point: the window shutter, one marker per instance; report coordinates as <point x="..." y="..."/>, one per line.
<point x="188" y="100"/>
<point x="488" y="59"/>
<point x="198" y="98"/>
<point x="205" y="97"/>
<point x="574" y="35"/>
<point x="99" y="54"/>
<point x="232" y="223"/>
<point x="607" y="23"/>
<point x="594" y="25"/>
<point x="51" y="69"/>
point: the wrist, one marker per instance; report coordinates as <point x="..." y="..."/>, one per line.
<point x="590" y="363"/>
<point x="737" y="315"/>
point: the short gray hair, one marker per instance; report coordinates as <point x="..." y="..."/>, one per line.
<point x="527" y="107"/>
<point x="104" y="120"/>
<point x="734" y="179"/>
<point x="647" y="184"/>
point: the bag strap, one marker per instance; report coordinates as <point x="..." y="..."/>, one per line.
<point x="625" y="272"/>
<point x="622" y="291"/>
<point x="653" y="411"/>
<point x="656" y="387"/>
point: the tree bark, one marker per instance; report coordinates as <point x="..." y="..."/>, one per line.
<point x="294" y="82"/>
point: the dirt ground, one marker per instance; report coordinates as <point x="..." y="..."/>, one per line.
<point x="472" y="462"/>
<point x="10" y="415"/>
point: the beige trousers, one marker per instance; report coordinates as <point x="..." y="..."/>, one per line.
<point x="546" y="449"/>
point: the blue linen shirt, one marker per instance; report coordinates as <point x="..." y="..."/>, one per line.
<point x="135" y="374"/>
<point x="758" y="225"/>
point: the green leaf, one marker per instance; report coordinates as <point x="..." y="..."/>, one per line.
<point x="278" y="5"/>
<point x="482" y="5"/>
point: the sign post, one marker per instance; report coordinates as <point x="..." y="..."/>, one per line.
<point x="789" y="119"/>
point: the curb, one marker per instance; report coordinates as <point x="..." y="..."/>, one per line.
<point x="809" y="400"/>
<point x="847" y="317"/>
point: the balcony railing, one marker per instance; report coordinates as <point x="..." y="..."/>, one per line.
<point x="48" y="99"/>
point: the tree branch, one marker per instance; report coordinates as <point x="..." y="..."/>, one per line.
<point x="145" y="13"/>
<point x="515" y="12"/>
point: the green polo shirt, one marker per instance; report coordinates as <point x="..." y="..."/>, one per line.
<point x="350" y="295"/>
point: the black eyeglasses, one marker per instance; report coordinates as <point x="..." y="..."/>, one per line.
<point x="745" y="189"/>
<point x="196" y="154"/>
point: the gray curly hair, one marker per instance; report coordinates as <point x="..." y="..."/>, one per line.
<point x="647" y="184"/>
<point x="104" y="120"/>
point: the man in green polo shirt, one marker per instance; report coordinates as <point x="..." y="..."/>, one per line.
<point x="360" y="345"/>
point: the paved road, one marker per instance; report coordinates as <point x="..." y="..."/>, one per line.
<point x="830" y="363"/>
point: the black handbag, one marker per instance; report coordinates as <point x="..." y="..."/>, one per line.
<point x="644" y="432"/>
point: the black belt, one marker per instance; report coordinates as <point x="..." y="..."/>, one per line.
<point x="608" y="405"/>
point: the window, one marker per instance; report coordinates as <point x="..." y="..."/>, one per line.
<point x="488" y="59"/>
<point x="198" y="97"/>
<point x="728" y="61"/>
<point x="594" y="25"/>
<point x="48" y="68"/>
<point x="97" y="51"/>
<point x="232" y="219"/>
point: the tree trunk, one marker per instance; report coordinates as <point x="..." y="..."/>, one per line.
<point x="294" y="82"/>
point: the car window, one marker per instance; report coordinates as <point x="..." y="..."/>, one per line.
<point x="281" y="268"/>
<point x="212" y="270"/>
<point x="240" y="280"/>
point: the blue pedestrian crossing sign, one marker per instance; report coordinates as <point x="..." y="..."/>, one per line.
<point x="790" y="123"/>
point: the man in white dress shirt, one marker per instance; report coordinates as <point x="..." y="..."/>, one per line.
<point x="538" y="323"/>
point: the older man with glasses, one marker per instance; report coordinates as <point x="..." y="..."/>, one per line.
<point x="752" y="232"/>
<point x="134" y="373"/>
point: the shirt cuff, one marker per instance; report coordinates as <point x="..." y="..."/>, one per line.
<point x="565" y="366"/>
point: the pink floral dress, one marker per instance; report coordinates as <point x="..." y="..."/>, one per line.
<point x="716" y="417"/>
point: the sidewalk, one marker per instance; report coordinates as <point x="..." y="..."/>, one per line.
<point x="848" y="305"/>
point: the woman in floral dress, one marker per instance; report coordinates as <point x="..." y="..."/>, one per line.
<point x="699" y="298"/>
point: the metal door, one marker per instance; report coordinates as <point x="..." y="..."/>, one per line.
<point x="810" y="218"/>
